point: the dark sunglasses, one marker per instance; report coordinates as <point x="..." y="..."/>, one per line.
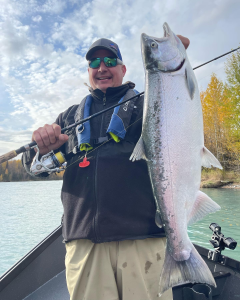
<point x="109" y="62"/>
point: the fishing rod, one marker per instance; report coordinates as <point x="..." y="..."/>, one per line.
<point x="27" y="147"/>
<point x="216" y="58"/>
<point x="14" y="153"/>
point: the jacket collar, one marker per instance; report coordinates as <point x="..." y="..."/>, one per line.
<point x="113" y="93"/>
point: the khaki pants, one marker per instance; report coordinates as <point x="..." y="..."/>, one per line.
<point x="125" y="270"/>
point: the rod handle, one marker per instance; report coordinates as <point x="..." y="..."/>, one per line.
<point x="7" y="156"/>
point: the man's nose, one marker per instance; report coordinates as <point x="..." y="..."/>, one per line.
<point x="102" y="67"/>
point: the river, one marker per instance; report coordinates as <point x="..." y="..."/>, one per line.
<point x="30" y="210"/>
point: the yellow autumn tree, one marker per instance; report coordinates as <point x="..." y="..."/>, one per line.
<point x="220" y="116"/>
<point x="14" y="171"/>
<point x="215" y="111"/>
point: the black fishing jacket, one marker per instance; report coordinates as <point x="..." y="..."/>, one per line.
<point x="111" y="199"/>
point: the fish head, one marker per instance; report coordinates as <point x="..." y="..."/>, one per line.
<point x="166" y="54"/>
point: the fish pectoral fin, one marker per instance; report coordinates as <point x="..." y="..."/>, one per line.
<point x="190" y="81"/>
<point x="209" y="160"/>
<point x="203" y="206"/>
<point x="139" y="151"/>
<point x="158" y="219"/>
<point x="174" y="272"/>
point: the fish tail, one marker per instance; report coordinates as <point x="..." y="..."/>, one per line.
<point x="180" y="272"/>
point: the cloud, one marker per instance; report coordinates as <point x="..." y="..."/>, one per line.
<point x="54" y="6"/>
<point x="12" y="140"/>
<point x="13" y="136"/>
<point x="37" y="18"/>
<point x="13" y="40"/>
<point x="43" y="46"/>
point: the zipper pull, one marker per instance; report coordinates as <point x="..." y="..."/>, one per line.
<point x="104" y="100"/>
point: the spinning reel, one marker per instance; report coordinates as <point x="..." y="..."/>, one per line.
<point x="50" y="162"/>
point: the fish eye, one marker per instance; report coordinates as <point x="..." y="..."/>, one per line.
<point x="153" y="45"/>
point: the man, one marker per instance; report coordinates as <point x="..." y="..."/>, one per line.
<point x="114" y="250"/>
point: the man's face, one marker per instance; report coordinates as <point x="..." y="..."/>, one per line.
<point x="105" y="77"/>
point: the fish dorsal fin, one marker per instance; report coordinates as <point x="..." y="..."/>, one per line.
<point x="209" y="160"/>
<point x="203" y="206"/>
<point x="190" y="81"/>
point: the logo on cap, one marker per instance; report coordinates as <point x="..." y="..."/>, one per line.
<point x="113" y="46"/>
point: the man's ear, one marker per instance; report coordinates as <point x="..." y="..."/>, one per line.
<point x="124" y="70"/>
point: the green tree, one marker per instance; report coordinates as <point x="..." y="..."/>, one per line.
<point x="232" y="69"/>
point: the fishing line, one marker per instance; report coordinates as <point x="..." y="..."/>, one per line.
<point x="210" y="74"/>
<point x="216" y="58"/>
<point x="218" y="68"/>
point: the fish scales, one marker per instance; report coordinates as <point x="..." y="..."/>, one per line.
<point x="172" y="142"/>
<point x="167" y="145"/>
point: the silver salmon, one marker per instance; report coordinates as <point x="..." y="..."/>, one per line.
<point x="172" y="143"/>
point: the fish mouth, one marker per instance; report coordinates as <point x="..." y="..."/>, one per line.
<point x="167" y="30"/>
<point x="180" y="66"/>
<point x="169" y="57"/>
<point x="167" y="34"/>
<point x="176" y="69"/>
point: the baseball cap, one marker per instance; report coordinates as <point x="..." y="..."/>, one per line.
<point x="104" y="44"/>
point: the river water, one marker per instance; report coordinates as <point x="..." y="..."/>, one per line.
<point x="30" y="210"/>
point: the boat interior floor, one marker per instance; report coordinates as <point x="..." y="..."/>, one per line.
<point x="54" y="289"/>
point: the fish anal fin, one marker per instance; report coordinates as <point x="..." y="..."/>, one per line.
<point x="190" y="81"/>
<point x="203" y="206"/>
<point x="139" y="151"/>
<point x="209" y="160"/>
<point x="192" y="270"/>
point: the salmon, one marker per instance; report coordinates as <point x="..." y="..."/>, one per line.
<point x="172" y="143"/>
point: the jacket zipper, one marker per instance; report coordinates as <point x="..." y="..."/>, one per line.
<point x="95" y="219"/>
<point x="96" y="201"/>
<point x="104" y="100"/>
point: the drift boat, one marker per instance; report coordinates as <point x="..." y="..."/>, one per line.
<point x="40" y="274"/>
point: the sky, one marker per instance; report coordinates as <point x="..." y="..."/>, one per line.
<point x="43" y="45"/>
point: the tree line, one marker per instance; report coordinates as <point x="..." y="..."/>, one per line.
<point x="221" y="117"/>
<point x="14" y="171"/>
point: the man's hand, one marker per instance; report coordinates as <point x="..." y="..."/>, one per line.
<point x="49" y="138"/>
<point x="184" y="40"/>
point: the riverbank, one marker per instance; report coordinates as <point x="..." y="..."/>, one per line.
<point x="215" y="178"/>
